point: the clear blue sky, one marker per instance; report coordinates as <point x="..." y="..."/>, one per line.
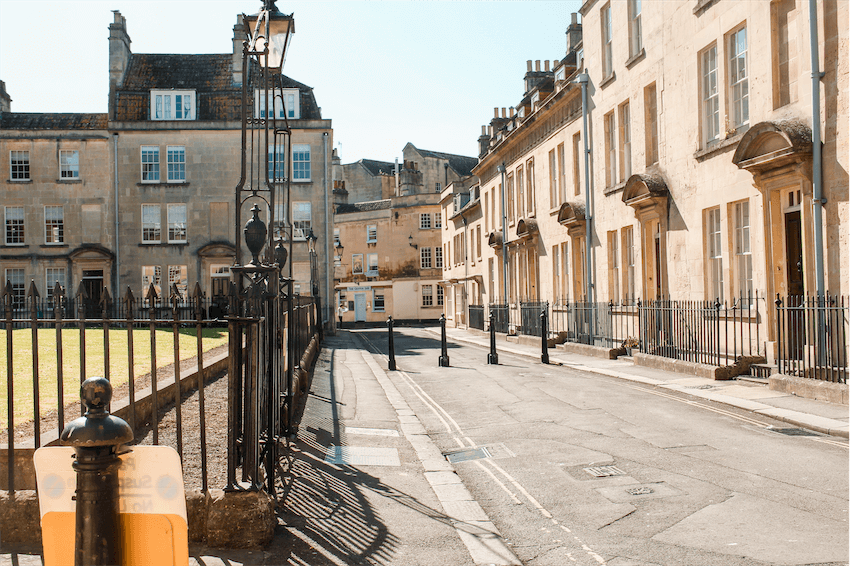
<point x="386" y="73"/>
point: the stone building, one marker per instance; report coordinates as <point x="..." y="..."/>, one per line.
<point x="701" y="162"/>
<point x="387" y="226"/>
<point x="166" y="159"/>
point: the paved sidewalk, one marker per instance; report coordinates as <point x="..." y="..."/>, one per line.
<point x="820" y="416"/>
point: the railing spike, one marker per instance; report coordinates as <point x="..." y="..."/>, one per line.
<point x="32" y="292"/>
<point x="105" y="298"/>
<point x="81" y="292"/>
<point x="128" y="297"/>
<point x="152" y="294"/>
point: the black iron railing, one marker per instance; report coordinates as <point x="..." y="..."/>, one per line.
<point x="141" y="323"/>
<point x="811" y="336"/>
<point x="530" y="322"/>
<point x="609" y="325"/>
<point x="708" y="332"/>
<point x="500" y="317"/>
<point x="476" y="316"/>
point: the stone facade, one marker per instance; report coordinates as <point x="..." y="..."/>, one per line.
<point x="166" y="156"/>
<point x="389" y="225"/>
<point x="700" y="116"/>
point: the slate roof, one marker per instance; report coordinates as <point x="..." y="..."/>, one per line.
<point x="41" y="121"/>
<point x="209" y="75"/>
<point x="378" y="167"/>
<point x="364" y="206"/>
<point x="462" y="164"/>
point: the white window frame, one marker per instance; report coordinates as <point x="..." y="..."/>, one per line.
<point x="150" y="167"/>
<point x="277" y="163"/>
<point x="17" y="277"/>
<point x="174" y="220"/>
<point x="427" y="295"/>
<point x="714" y="254"/>
<point x="302" y="219"/>
<point x="354" y="263"/>
<point x="53" y="275"/>
<point x="438" y="257"/>
<point x="372" y="234"/>
<point x="378" y="298"/>
<point x="179" y="275"/>
<point x="369" y="265"/>
<point x="176" y="159"/>
<point x="743" y="250"/>
<point x="614" y="265"/>
<point x="165" y="103"/>
<point x="286" y="100"/>
<point x="151" y="274"/>
<point x="151" y="226"/>
<point x="54" y="225"/>
<point x="739" y="90"/>
<point x="610" y="132"/>
<point x="438" y="220"/>
<point x="709" y="95"/>
<point x="635" y="38"/>
<point x="607" y="42"/>
<point x="14" y="223"/>
<point x="625" y="141"/>
<point x="440" y="295"/>
<point x="301" y="168"/>
<point x="19" y="165"/>
<point x="629" y="263"/>
<point x="425" y="258"/>
<point x="69" y="164"/>
<point x="425" y="221"/>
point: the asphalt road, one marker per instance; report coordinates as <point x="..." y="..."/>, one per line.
<point x="585" y="469"/>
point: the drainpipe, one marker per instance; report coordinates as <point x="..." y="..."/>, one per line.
<point x="583" y="80"/>
<point x="327" y="238"/>
<point x="117" y="294"/>
<point x="817" y="182"/>
<point x="501" y="169"/>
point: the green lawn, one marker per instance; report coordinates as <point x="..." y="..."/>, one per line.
<point x="22" y="347"/>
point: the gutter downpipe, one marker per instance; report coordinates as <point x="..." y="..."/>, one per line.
<point x="327" y="302"/>
<point x="817" y="174"/>
<point x="117" y="294"/>
<point x="583" y="80"/>
<point x="501" y="169"/>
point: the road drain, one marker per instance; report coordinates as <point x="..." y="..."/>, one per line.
<point x="605" y="471"/>
<point x="640" y="491"/>
<point x="792" y="431"/>
<point x="467" y="454"/>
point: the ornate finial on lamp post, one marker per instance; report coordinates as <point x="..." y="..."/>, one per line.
<point x="255" y="235"/>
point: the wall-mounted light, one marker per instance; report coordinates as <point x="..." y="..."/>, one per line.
<point x="410" y="241"/>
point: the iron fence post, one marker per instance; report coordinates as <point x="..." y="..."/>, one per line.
<point x="444" y="355"/>
<point x="95" y="437"/>
<point x="544" y="354"/>
<point x="492" y="357"/>
<point x="391" y="345"/>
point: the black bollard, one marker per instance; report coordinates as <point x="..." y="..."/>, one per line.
<point x="492" y="357"/>
<point x="444" y="355"/>
<point x="544" y="332"/>
<point x="391" y="364"/>
<point x="95" y="437"/>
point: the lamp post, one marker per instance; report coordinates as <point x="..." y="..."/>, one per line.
<point x="314" y="280"/>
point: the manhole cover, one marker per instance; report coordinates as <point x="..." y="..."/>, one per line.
<point x="792" y="431"/>
<point x="640" y="491"/>
<point x="700" y="387"/>
<point x="467" y="454"/>
<point x="605" y="471"/>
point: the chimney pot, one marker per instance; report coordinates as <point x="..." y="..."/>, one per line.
<point x="546" y="65"/>
<point x="574" y="18"/>
<point x="512" y="111"/>
<point x="504" y="114"/>
<point x="537" y="65"/>
<point x="528" y="64"/>
<point x="495" y="112"/>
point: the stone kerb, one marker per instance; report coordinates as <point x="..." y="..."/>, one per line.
<point x="809" y="388"/>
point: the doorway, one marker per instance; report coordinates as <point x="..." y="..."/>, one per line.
<point x="360" y="307"/>
<point x="93" y="286"/>
<point x="796" y="288"/>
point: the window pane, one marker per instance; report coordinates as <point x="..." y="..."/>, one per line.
<point x="69" y="164"/>
<point x="151" y="228"/>
<point x="54" y="224"/>
<point x="176" y="163"/>
<point x="14" y="225"/>
<point x="150" y="163"/>
<point x="176" y="222"/>
<point x="301" y="162"/>
<point x="20" y="165"/>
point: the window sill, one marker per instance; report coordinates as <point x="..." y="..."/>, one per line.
<point x="177" y="183"/>
<point x="640" y="55"/>
<point x="719" y="146"/>
<point x="149" y="183"/>
<point x="69" y="181"/>
<point x="176" y="244"/>
<point x="615" y="189"/>
<point x="16" y="246"/>
<point x="608" y="80"/>
<point x="19" y="181"/>
<point x="302" y="181"/>
<point x="703" y="5"/>
<point x="59" y="245"/>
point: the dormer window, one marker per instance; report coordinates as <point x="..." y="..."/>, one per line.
<point x="286" y="104"/>
<point x="172" y="105"/>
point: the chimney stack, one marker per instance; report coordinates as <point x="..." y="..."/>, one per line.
<point x="546" y="65"/>
<point x="573" y="33"/>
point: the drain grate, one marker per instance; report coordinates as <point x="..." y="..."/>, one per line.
<point x="640" y="491"/>
<point x="792" y="431"/>
<point x="700" y="387"/>
<point x="604" y="471"/>
<point x="467" y="454"/>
